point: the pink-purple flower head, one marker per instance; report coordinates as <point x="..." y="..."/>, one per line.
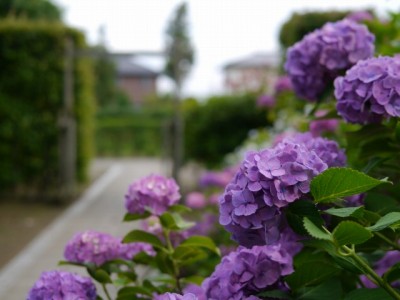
<point x="154" y="193"/>
<point x="59" y="285"/>
<point x="267" y="101"/>
<point x="267" y="181"/>
<point x="251" y="207"/>
<point x="360" y="16"/>
<point x="245" y="272"/>
<point x="321" y="55"/>
<point x="92" y="247"/>
<point x="174" y="296"/>
<point x="283" y="84"/>
<point x="370" y="91"/>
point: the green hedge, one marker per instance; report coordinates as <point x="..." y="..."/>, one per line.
<point x="217" y="126"/>
<point x="31" y="97"/>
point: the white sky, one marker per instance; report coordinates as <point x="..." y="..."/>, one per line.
<point x="222" y="30"/>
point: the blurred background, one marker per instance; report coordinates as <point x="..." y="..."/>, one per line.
<point x="81" y="81"/>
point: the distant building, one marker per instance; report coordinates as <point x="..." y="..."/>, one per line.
<point x="256" y="72"/>
<point x="136" y="80"/>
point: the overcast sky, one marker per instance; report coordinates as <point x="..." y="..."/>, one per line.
<point x="221" y="30"/>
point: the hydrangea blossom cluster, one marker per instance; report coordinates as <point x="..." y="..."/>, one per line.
<point x="319" y="57"/>
<point x="326" y="149"/>
<point x="129" y="251"/>
<point x="370" y="91"/>
<point x="251" y="207"/>
<point x="173" y="296"/>
<point x="92" y="246"/>
<point x="283" y="84"/>
<point x="267" y="101"/>
<point x="217" y="179"/>
<point x="62" y="285"/>
<point x="195" y="200"/>
<point x="154" y="193"/>
<point x="267" y="181"/>
<point x="97" y="248"/>
<point x="360" y="16"/>
<point x="245" y="272"/>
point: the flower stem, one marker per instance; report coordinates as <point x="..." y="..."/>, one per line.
<point x="371" y="273"/>
<point x="387" y="240"/>
<point x="174" y="265"/>
<point x="106" y="291"/>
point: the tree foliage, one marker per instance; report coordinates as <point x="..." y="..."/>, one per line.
<point x="179" y="51"/>
<point x="30" y="9"/>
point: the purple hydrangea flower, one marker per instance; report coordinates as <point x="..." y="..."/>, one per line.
<point x="251" y="207"/>
<point x="370" y="91"/>
<point x="283" y="84"/>
<point x="381" y="266"/>
<point x="267" y="181"/>
<point x="245" y="272"/>
<point x="266" y="101"/>
<point x="317" y="59"/>
<point x="62" y="285"/>
<point x="129" y="251"/>
<point x="217" y="179"/>
<point x="154" y="192"/>
<point x="173" y="296"/>
<point x="326" y="149"/>
<point x="195" y="200"/>
<point x="360" y="16"/>
<point x="196" y="290"/>
<point x="92" y="247"/>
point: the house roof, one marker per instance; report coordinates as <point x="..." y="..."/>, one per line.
<point x="127" y="66"/>
<point x="257" y="60"/>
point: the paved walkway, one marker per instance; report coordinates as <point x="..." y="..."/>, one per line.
<point x="100" y="208"/>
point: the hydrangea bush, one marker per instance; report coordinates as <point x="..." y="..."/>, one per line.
<point x="310" y="215"/>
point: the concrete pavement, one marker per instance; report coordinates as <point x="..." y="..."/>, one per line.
<point x="100" y="208"/>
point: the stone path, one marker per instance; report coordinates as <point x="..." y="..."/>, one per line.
<point x="100" y="208"/>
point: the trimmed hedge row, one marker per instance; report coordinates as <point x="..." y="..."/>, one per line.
<point x="215" y="127"/>
<point x="31" y="99"/>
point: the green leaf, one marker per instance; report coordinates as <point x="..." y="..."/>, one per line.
<point x="351" y="233"/>
<point x="173" y="221"/>
<point x="177" y="208"/>
<point x="356" y="212"/>
<point x="315" y="231"/>
<point x="165" y="263"/>
<point x="202" y="242"/>
<point x="143" y="236"/>
<point x="187" y="255"/>
<point x="336" y="183"/>
<point x="131" y="292"/>
<point x="392" y="274"/>
<point x="329" y="290"/>
<point x="368" y="294"/>
<point x="387" y="220"/>
<point x="296" y="212"/>
<point x="380" y="203"/>
<point x="311" y="273"/>
<point x="99" y="275"/>
<point x="275" y="294"/>
<point x="133" y="217"/>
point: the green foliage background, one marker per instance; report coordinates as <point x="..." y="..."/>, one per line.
<point x="31" y="97"/>
<point x="215" y="127"/>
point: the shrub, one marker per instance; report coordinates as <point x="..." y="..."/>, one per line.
<point x="220" y="123"/>
<point x="31" y="85"/>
